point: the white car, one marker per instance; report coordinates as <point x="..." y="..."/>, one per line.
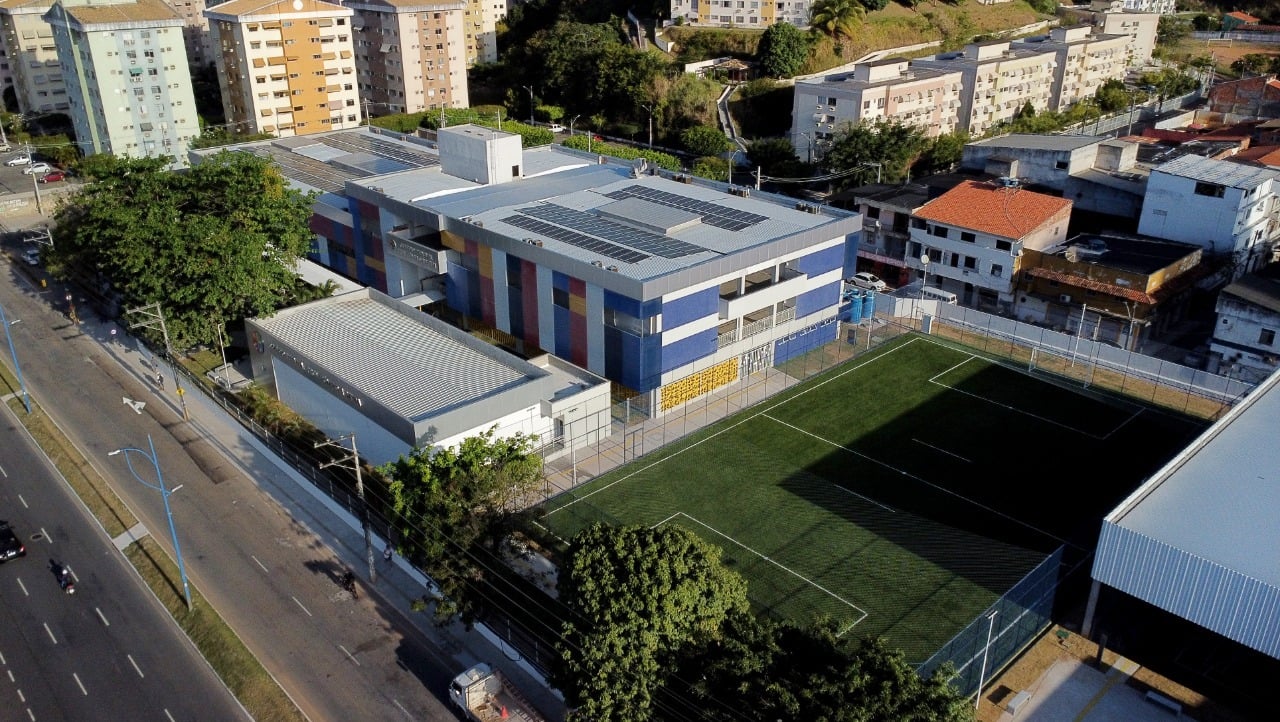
<point x="21" y="159"/>
<point x="37" y="168"/>
<point x="868" y="281"/>
<point x="555" y="128"/>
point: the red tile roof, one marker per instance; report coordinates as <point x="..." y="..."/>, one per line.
<point x="1244" y="16"/>
<point x="1005" y="212"/>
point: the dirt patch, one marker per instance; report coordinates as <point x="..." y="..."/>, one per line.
<point x="1223" y="52"/>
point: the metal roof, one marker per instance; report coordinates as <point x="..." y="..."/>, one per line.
<point x="1222" y="172"/>
<point x="1220" y="498"/>
<point x="1028" y="141"/>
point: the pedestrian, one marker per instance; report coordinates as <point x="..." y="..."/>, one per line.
<point x="160" y="380"/>
<point x="387" y="553"/>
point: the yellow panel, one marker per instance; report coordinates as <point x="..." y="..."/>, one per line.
<point x="696" y="384"/>
<point x="376" y="264"/>
<point x="486" y="262"/>
<point x="453" y="241"/>
<point x="578" y="305"/>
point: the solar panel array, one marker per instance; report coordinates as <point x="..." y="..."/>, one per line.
<point x="306" y="170"/>
<point x="361" y="142"/>
<point x="713" y="214"/>
<point x="653" y="243"/>
<point x="573" y="238"/>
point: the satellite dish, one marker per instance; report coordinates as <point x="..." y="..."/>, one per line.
<point x="297" y="4"/>
<point x="924" y="259"/>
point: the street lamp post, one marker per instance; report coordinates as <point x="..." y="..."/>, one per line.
<point x="650" y="109"/>
<point x="530" y="89"/>
<point x="573" y="120"/>
<point x="71" y="309"/>
<point x="810" y="139"/>
<point x="26" y="397"/>
<point x="164" y="494"/>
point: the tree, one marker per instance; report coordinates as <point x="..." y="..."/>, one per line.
<point x="837" y="18"/>
<point x="705" y="140"/>
<point x="895" y="146"/>
<point x="944" y="152"/>
<point x="455" y="503"/>
<point x="1112" y="96"/>
<point x="774" y="156"/>
<point x="637" y="596"/>
<point x="783" y="50"/>
<point x="215" y="243"/>
<point x="1172" y="28"/>
<point x="711" y="168"/>
<point x="1252" y="64"/>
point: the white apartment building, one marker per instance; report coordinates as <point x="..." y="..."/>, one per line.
<point x="126" y="75"/>
<point x="742" y="13"/>
<point x="32" y="56"/>
<point x="287" y="66"/>
<point x="480" y="30"/>
<point x="1159" y="7"/>
<point x="1223" y="207"/>
<point x="1140" y="28"/>
<point x="195" y="31"/>
<point x="999" y="79"/>
<point x="410" y="54"/>
<point x="883" y="89"/>
<point x="974" y="236"/>
<point x="1083" y="60"/>
<point x="1245" y="342"/>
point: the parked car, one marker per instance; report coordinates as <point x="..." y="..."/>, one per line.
<point x="31" y="256"/>
<point x="555" y="128"/>
<point x="10" y="545"/>
<point x="5" y="147"/>
<point x="37" y="169"/>
<point x="53" y="176"/>
<point x="868" y="281"/>
<point x="20" y="159"/>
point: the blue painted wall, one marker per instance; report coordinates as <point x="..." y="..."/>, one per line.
<point x="804" y="341"/>
<point x="690" y="308"/>
<point x="819" y="299"/>
<point x="823" y="261"/>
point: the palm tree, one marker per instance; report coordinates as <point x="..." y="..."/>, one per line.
<point x="836" y="18"/>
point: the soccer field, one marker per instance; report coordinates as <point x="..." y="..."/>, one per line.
<point x="899" y="494"/>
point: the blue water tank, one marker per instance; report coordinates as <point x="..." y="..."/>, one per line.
<point x="855" y="308"/>
<point x="868" y="306"/>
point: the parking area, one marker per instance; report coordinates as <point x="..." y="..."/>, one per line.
<point x="13" y="180"/>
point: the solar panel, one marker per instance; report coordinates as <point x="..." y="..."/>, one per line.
<point x="713" y="214"/>
<point x="306" y="170"/>
<point x="361" y="142"/>
<point x="647" y="241"/>
<point x="573" y="238"/>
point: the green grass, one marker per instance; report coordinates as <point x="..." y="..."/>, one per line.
<point x="899" y="494"/>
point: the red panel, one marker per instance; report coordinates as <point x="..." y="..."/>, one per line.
<point x="529" y="303"/>
<point x="486" y="288"/>
<point x="577" y="322"/>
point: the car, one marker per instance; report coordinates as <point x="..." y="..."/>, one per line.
<point x="37" y="169"/>
<point x="5" y="147"/>
<point x="53" y="176"/>
<point x="20" y="159"/>
<point x="11" y="546"/>
<point x="31" y="256"/>
<point x="868" y="281"/>
<point x="555" y="128"/>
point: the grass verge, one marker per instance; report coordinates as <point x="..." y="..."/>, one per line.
<point x="239" y="670"/>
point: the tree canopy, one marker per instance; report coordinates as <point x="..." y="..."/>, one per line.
<point x="783" y="50"/>
<point x="893" y="145"/>
<point x="454" y="505"/>
<point x="837" y="18"/>
<point x="214" y="243"/>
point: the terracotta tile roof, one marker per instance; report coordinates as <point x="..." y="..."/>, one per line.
<point x="1243" y="16"/>
<point x="1005" y="212"/>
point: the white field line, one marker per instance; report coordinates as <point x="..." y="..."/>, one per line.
<point x="763" y="412"/>
<point x="941" y="451"/>
<point x="937" y="382"/>
<point x="867" y="499"/>
<point x="861" y="613"/>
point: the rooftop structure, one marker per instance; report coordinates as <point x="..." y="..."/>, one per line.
<point x="1000" y="210"/>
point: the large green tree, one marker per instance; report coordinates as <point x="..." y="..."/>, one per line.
<point x="783" y="50"/>
<point x="215" y="243"/>
<point x="837" y="18"/>
<point x="454" y="505"/>
<point x="893" y="145"/>
<point x="637" y="596"/>
<point x="705" y="140"/>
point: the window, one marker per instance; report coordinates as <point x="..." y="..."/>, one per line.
<point x="560" y="297"/>
<point x="1267" y="337"/>
<point x="968" y="237"/>
<point x="1004" y="245"/>
<point x="1060" y="165"/>
<point x="1213" y="190"/>
<point x="997" y="270"/>
<point x="970" y="262"/>
<point x="918" y="223"/>
<point x="873" y="212"/>
<point x="939" y="231"/>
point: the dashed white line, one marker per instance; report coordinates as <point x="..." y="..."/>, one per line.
<point x="23" y="587"/>
<point x="46" y="536"/>
<point x="264" y="568"/>
<point x="941" y="451"/>
<point x="21" y="697"/>
<point x="3" y="473"/>
<point x="308" y="611"/>
<point x="50" y="631"/>
<point x="407" y="713"/>
<point x="80" y="684"/>
<point x="136" y="668"/>
<point x="103" y="617"/>
<point x="166" y="714"/>
<point x="11" y="677"/>
<point x="31" y="715"/>
<point x="24" y="502"/>
<point x="349" y="656"/>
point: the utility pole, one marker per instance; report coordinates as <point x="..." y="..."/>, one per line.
<point x="34" y="183"/>
<point x="530" y="89"/>
<point x="650" y="109"/>
<point x="354" y="458"/>
<point x="155" y="319"/>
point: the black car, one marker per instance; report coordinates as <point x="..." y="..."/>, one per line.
<point x="10" y="545"/>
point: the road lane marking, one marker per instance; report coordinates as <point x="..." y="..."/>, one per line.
<point x="166" y="714"/>
<point x="407" y="713"/>
<point x="103" y="617"/>
<point x="50" y="631"/>
<point x="24" y="502"/>
<point x="353" y="659"/>
<point x="81" y="684"/>
<point x="136" y="668"/>
<point x="23" y="587"/>
<point x="264" y="568"/>
<point x="46" y="536"/>
<point x="21" y="697"/>
<point x="3" y="473"/>
<point x="308" y="611"/>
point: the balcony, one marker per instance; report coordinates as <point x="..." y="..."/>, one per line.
<point x="759" y="291"/>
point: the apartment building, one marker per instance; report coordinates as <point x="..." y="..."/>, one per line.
<point x="409" y="54"/>
<point x="32" y="56"/>
<point x="974" y="236"/>
<point x="127" y="80"/>
<point x="999" y="78"/>
<point x="1229" y="209"/>
<point x="480" y="30"/>
<point x="287" y="66"/>
<point x="742" y="13"/>
<point x="195" y="31"/>
<point x="1139" y="27"/>
<point x="1083" y="61"/>
<point x="883" y="89"/>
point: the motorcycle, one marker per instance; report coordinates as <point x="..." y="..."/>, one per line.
<point x="66" y="582"/>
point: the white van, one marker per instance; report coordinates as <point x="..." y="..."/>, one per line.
<point x="929" y="293"/>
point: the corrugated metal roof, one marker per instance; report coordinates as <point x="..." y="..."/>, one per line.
<point x="1235" y="175"/>
<point x="406" y="361"/>
<point x="1027" y="141"/>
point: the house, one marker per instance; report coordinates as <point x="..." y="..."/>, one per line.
<point x="886" y="227"/>
<point x="128" y="83"/>
<point x="731" y="13"/>
<point x="668" y="286"/>
<point x="268" y="83"/>
<point x="434" y="385"/>
<point x="1111" y="287"/>
<point x="1244" y="343"/>
<point x="890" y="90"/>
<point x="970" y="240"/>
<point x="1234" y="20"/>
<point x="1256" y="97"/>
<point x="1229" y="209"/>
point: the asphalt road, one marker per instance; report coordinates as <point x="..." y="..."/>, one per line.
<point x="108" y="652"/>
<point x="272" y="577"/>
